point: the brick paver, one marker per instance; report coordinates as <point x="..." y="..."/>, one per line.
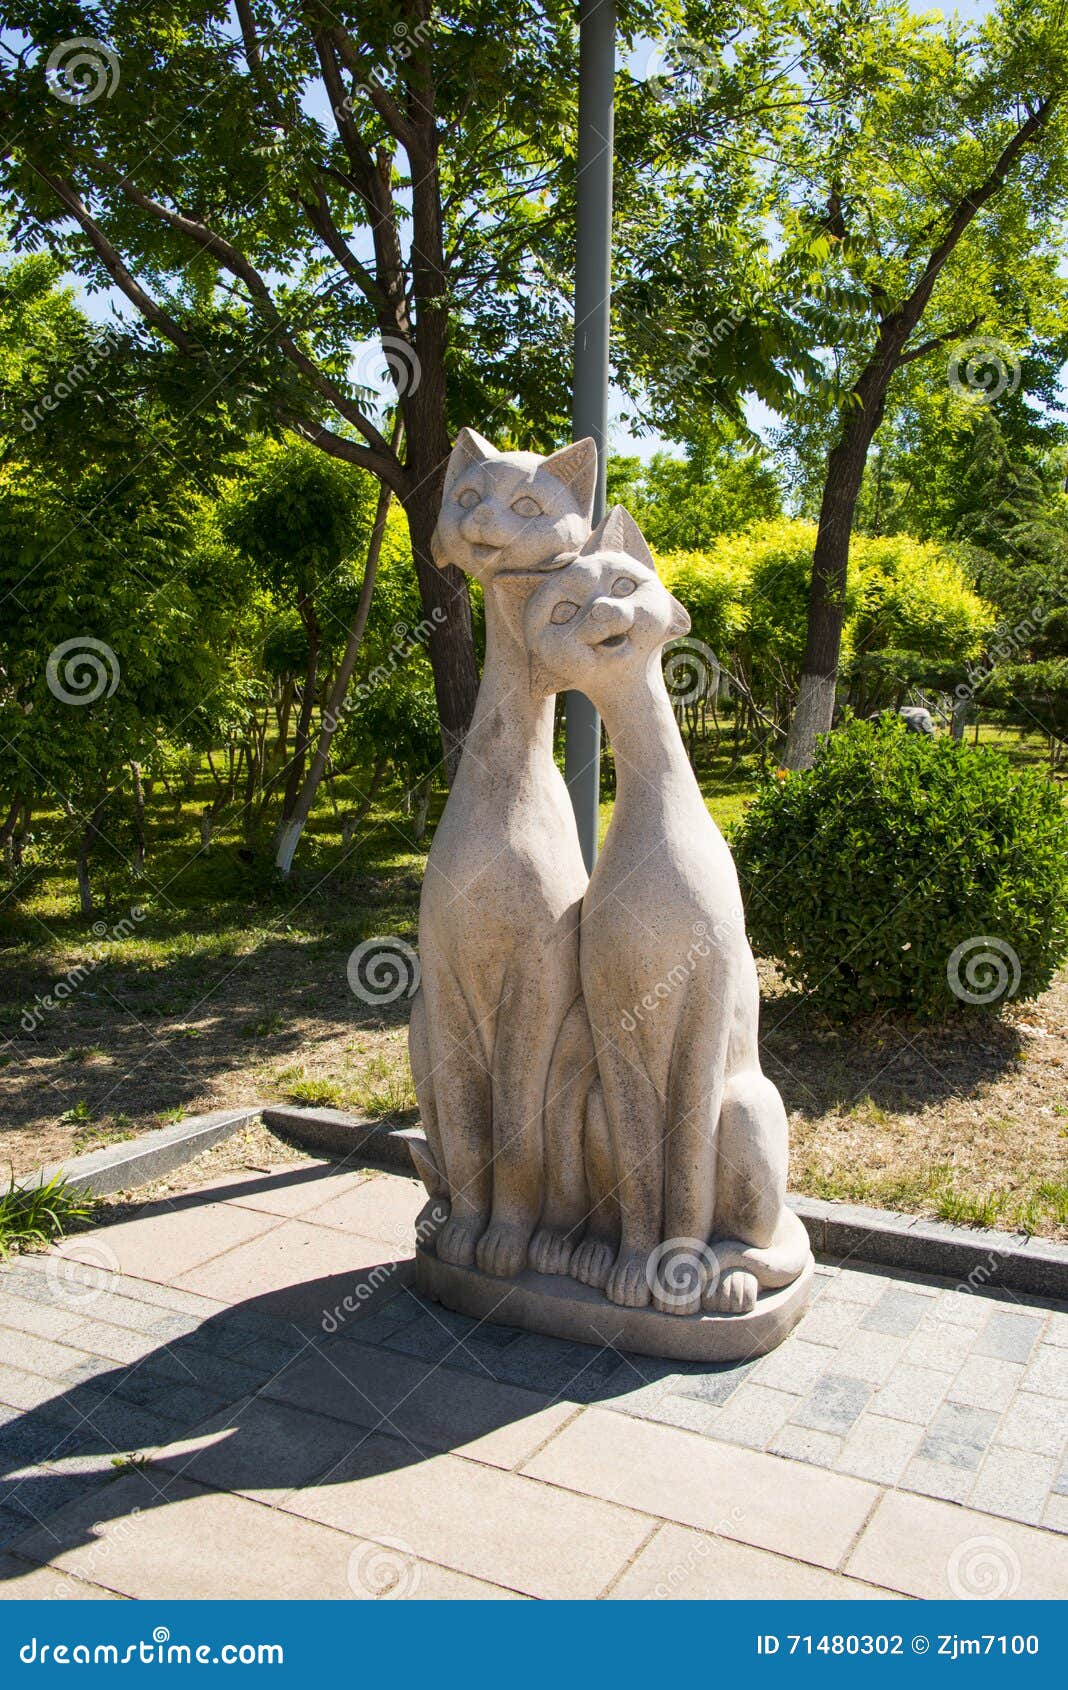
<point x="258" y="1370"/>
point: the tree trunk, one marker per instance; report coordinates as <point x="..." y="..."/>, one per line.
<point x="85" y="847"/>
<point x="307" y="705"/>
<point x="290" y="831"/>
<point x="139" y="819"/>
<point x="7" y="831"/>
<point x="447" y="609"/>
<point x="351" y="822"/>
<point x="420" y="805"/>
<point x="814" y="710"/>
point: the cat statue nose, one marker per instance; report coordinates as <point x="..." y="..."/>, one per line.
<point x="606" y="617"/>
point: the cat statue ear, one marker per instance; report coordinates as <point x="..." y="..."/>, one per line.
<point x="576" y="467"/>
<point x="618" y="532"/>
<point x="470" y="449"/>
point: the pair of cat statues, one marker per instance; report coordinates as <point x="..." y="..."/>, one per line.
<point x="571" y="1129"/>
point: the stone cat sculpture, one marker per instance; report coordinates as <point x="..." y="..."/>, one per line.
<point x="499" y="1042"/>
<point x="698" y="1135"/>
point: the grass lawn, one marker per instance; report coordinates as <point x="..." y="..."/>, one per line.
<point x="233" y="989"/>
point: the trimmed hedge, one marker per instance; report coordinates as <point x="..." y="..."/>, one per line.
<point x="906" y="873"/>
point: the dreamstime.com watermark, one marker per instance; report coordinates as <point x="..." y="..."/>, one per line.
<point x="702" y="1547"/>
<point x="383" y="969"/>
<point x="691" y="671"/>
<point x="72" y="982"/>
<point x="991" y="970"/>
<point x="81" y="670"/>
<point x="1004" y="646"/>
<point x="386" y="1569"/>
<point x="697" y="951"/>
<point x="679" y="1270"/>
<point x="71" y="380"/>
<point x="432" y="1217"/>
<point x="405" y="641"/>
<point x="982" y="370"/>
<point x="82" y="70"/>
<point x="400" y="359"/>
<point x="983" y="1569"/>
<point x="158" y="1650"/>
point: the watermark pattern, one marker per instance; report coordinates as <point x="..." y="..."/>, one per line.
<point x="683" y="58"/>
<point x="991" y="970"/>
<point x="983" y="370"/>
<point x="678" y="1271"/>
<point x="97" y="1552"/>
<point x="387" y="1568"/>
<point x="701" y="1547"/>
<point x="697" y="951"/>
<point x="78" y="1283"/>
<point x="984" y="1569"/>
<point x="383" y="969"/>
<point x="72" y="981"/>
<point x="405" y="641"/>
<point x="405" y="41"/>
<point x="691" y="671"/>
<point x="81" y="670"/>
<point x="370" y="1283"/>
<point x="82" y="70"/>
<point x="388" y="356"/>
<point x="69" y="383"/>
<point x="1005" y="645"/>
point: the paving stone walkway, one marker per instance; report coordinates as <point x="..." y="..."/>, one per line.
<point x="237" y="1393"/>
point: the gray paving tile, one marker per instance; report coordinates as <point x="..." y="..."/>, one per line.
<point x="716" y="1384"/>
<point x="1009" y="1337"/>
<point x="1060" y="1483"/>
<point x="897" y="1311"/>
<point x="1013" y="1483"/>
<point x="753" y="1416"/>
<point x="1035" y="1423"/>
<point x="802" y="1443"/>
<point x="688" y="1413"/>
<point x="12" y="1525"/>
<point x="575" y="1372"/>
<point x="30" y="1438"/>
<point x="958" y="1435"/>
<point x="118" y="1426"/>
<point x="37" y="1493"/>
<point x="1048" y="1372"/>
<point x="937" y="1478"/>
<point x="834" y="1403"/>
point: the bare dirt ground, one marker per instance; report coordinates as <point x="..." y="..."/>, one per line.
<point x="968" y="1121"/>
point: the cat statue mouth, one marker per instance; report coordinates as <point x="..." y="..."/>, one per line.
<point x="612" y="642"/>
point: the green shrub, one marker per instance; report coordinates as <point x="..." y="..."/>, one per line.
<point x="905" y="873"/>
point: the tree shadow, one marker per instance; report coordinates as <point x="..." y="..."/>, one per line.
<point x="893" y="1061"/>
<point x="323" y="1382"/>
<point x="140" y="1039"/>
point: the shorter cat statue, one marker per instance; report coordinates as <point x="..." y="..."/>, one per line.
<point x="697" y="1134"/>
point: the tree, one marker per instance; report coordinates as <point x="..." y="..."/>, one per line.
<point x="377" y="175"/>
<point x="912" y="204"/>
<point x="684" y="504"/>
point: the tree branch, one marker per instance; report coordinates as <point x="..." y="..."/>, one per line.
<point x="208" y="240"/>
<point x="386" y="468"/>
<point x="148" y="307"/>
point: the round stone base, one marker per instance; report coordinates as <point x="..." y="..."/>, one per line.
<point x="562" y="1308"/>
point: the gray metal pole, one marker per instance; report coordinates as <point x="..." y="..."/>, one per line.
<point x="593" y="303"/>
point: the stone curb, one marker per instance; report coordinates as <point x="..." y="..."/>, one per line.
<point x="839" y="1232"/>
<point x="139" y="1161"/>
<point x="978" y="1258"/>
